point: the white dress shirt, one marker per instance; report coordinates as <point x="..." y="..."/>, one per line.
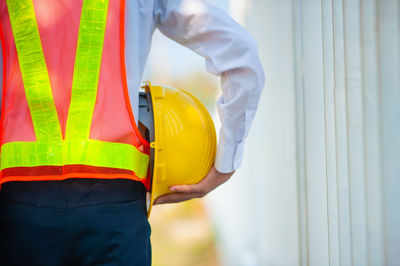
<point x="229" y="50"/>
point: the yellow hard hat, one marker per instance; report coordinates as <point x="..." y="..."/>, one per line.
<point x="183" y="141"/>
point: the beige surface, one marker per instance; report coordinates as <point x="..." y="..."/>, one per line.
<point x="182" y="235"/>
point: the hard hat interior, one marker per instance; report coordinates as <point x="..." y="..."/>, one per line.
<point x="146" y="127"/>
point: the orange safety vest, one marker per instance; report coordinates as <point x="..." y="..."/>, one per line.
<point x="65" y="106"/>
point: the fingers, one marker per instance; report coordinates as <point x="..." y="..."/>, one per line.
<point x="182" y="193"/>
<point x="199" y="190"/>
<point x="177" y="197"/>
<point x="188" y="188"/>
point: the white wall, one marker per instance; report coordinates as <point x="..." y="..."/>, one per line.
<point x="320" y="183"/>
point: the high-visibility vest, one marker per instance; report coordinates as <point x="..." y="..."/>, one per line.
<point x="66" y="111"/>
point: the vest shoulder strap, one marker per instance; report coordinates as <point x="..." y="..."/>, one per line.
<point x="33" y="70"/>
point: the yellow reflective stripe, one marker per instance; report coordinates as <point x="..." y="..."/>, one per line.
<point x="87" y="68"/>
<point x="68" y="152"/>
<point x="33" y="70"/>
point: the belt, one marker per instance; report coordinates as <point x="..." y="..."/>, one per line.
<point x="73" y="192"/>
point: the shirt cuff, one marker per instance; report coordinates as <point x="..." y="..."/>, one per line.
<point x="229" y="156"/>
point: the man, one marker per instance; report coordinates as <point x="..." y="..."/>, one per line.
<point x="91" y="215"/>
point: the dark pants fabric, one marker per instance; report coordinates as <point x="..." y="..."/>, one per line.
<point x="74" y="222"/>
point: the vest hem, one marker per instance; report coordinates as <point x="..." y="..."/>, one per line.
<point x="73" y="175"/>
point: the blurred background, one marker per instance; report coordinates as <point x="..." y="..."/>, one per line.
<point x="320" y="180"/>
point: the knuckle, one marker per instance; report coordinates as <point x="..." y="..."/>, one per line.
<point x="201" y="195"/>
<point x="205" y="190"/>
<point x="202" y="190"/>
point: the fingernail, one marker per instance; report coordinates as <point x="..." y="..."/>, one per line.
<point x="172" y="188"/>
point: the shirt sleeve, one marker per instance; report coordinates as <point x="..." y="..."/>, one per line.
<point x="231" y="53"/>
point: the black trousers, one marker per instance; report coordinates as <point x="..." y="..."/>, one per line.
<point x="74" y="222"/>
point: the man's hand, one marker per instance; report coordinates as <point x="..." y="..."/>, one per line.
<point x="199" y="190"/>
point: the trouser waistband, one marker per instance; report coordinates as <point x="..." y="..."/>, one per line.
<point x="73" y="192"/>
